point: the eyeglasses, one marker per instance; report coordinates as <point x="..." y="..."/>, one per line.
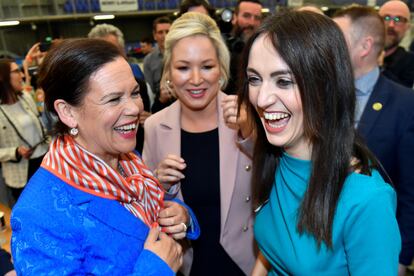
<point x="398" y="20"/>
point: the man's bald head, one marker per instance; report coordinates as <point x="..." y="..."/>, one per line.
<point x="396" y="15"/>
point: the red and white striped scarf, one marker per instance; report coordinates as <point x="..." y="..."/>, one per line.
<point x="139" y="192"/>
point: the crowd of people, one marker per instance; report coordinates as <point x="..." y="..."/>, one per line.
<point x="283" y="147"/>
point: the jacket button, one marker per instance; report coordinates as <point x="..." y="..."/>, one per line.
<point x="247" y="198"/>
<point x="245" y="228"/>
<point x="4" y="127"/>
<point x="247" y="168"/>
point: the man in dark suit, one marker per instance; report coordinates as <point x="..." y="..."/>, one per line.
<point x="384" y="115"/>
<point x="398" y="63"/>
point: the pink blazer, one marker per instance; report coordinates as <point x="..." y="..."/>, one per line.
<point x="163" y="136"/>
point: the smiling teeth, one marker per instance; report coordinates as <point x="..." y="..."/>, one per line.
<point x="275" y="116"/>
<point x="196" y="91"/>
<point x="127" y="127"/>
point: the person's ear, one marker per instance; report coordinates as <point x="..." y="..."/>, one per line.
<point x="66" y="113"/>
<point x="367" y="46"/>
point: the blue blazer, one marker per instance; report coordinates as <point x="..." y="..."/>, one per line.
<point x="60" y="230"/>
<point x="389" y="134"/>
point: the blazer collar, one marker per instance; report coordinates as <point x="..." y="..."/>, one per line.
<point x="375" y="106"/>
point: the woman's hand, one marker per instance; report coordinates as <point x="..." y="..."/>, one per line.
<point x="174" y="219"/>
<point x="261" y="267"/>
<point x="169" y="170"/>
<point x="24" y="152"/>
<point x="164" y="247"/>
<point x="234" y="120"/>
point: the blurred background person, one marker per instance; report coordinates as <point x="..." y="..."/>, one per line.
<point x="93" y="207"/>
<point x="146" y="45"/>
<point x="201" y="159"/>
<point x="202" y="6"/>
<point x="323" y="208"/>
<point x="246" y="19"/>
<point x="398" y="63"/>
<point x="153" y="64"/>
<point x="23" y="139"/>
<point x="384" y="114"/>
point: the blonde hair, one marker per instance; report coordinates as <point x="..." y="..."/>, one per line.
<point x="192" y="24"/>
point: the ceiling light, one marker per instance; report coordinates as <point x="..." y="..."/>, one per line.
<point x="103" y="17"/>
<point x="9" y="23"/>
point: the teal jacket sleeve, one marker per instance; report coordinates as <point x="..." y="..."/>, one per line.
<point x="372" y="238"/>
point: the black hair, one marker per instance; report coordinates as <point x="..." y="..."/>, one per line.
<point x="187" y="4"/>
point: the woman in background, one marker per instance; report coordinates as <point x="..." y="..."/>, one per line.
<point x="324" y="208"/>
<point x="200" y="158"/>
<point x="93" y="207"/>
<point x="23" y="141"/>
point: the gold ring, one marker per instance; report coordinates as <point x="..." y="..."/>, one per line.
<point x="184" y="225"/>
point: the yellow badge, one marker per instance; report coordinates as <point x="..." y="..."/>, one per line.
<point x="377" y="106"/>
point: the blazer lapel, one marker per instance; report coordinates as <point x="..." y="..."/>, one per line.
<point x="228" y="162"/>
<point x="113" y="214"/>
<point x="375" y="105"/>
<point x="170" y="128"/>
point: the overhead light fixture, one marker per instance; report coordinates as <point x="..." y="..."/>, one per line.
<point x="103" y="17"/>
<point x="265" y="10"/>
<point x="9" y="23"/>
<point x="325" y="8"/>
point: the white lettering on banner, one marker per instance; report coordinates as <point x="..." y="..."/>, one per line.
<point x="118" y="5"/>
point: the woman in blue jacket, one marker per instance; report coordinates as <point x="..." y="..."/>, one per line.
<point x="93" y="207"/>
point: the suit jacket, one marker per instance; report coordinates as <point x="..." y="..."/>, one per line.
<point x="399" y="67"/>
<point x="60" y="230"/>
<point x="14" y="171"/>
<point x="163" y="136"/>
<point x="387" y="125"/>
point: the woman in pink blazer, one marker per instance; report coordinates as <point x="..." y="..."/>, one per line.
<point x="193" y="147"/>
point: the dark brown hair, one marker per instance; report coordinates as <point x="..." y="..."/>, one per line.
<point x="66" y="69"/>
<point x="7" y="93"/>
<point x="315" y="50"/>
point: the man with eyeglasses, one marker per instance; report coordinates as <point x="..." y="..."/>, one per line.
<point x="246" y="19"/>
<point x="398" y="63"/>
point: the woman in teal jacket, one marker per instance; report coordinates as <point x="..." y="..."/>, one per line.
<point x="323" y="207"/>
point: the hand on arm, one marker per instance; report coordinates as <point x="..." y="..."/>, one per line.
<point x="164" y="247"/>
<point x="174" y="219"/>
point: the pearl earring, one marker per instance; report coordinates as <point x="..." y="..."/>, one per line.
<point x="74" y="131"/>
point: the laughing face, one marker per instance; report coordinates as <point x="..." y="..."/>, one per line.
<point x="108" y="117"/>
<point x="275" y="95"/>
<point x="195" y="72"/>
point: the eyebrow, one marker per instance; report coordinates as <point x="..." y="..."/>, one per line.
<point x="203" y="61"/>
<point x="119" y="93"/>
<point x="273" y="74"/>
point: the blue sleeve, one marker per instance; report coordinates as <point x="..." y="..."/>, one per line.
<point x="150" y="264"/>
<point x="371" y="237"/>
<point x="39" y="248"/>
<point x="194" y="230"/>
